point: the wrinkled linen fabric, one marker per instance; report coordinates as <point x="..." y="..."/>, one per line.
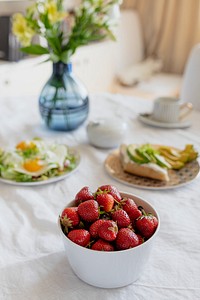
<point x="33" y="264"/>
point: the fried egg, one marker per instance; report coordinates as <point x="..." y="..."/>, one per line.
<point x="34" y="158"/>
<point x="25" y="145"/>
<point x="35" y="167"/>
<point x="57" y="153"/>
<point x="48" y="156"/>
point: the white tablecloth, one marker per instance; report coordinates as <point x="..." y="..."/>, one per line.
<point x="33" y="264"/>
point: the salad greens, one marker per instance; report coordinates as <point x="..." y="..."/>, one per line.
<point x="36" y="160"/>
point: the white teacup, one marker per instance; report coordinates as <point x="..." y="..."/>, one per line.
<point x="170" y="110"/>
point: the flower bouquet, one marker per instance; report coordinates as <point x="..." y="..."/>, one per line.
<point x="63" y="102"/>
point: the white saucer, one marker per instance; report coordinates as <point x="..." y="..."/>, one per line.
<point x="147" y="119"/>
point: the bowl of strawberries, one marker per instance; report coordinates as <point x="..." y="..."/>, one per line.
<point x="108" y="235"/>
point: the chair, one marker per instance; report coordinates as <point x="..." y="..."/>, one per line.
<point x="190" y="89"/>
<point x="130" y="53"/>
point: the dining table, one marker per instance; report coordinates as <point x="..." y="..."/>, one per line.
<point x="33" y="261"/>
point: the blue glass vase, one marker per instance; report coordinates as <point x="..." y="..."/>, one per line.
<point x="63" y="102"/>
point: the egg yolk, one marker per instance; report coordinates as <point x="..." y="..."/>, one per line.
<point x="33" y="165"/>
<point x="25" y="145"/>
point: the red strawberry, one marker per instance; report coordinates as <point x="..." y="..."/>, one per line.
<point x="112" y="190"/>
<point x="108" y="230"/>
<point x="155" y="220"/>
<point x="126" y="239"/>
<point x="141" y="239"/>
<point x="106" y="201"/>
<point x="94" y="228"/>
<point x="146" y="226"/>
<point x="79" y="236"/>
<point x="131" y="208"/>
<point x="83" y="195"/>
<point x="121" y="218"/>
<point x="102" y="245"/>
<point x="89" y="210"/>
<point x="69" y="217"/>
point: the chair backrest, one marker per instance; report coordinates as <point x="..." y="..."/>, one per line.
<point x="190" y="89"/>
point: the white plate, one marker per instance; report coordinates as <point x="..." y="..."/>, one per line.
<point x="50" y="180"/>
<point x="147" y="119"/>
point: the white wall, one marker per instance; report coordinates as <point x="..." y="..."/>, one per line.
<point x="9" y="7"/>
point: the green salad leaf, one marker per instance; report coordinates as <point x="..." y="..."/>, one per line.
<point x="58" y="160"/>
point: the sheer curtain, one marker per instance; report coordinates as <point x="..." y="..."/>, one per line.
<point x="170" y="27"/>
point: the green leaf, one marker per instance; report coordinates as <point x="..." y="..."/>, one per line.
<point x="35" y="49"/>
<point x="55" y="58"/>
<point x="65" y="56"/>
<point x="54" y="44"/>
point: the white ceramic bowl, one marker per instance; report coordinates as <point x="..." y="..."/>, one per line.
<point x="106" y="132"/>
<point x="110" y="269"/>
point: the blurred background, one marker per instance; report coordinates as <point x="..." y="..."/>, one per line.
<point x="153" y="41"/>
<point x="170" y="29"/>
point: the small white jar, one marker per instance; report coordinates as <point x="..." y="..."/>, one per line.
<point x="106" y="132"/>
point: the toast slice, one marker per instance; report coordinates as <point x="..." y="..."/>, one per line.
<point x="149" y="170"/>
